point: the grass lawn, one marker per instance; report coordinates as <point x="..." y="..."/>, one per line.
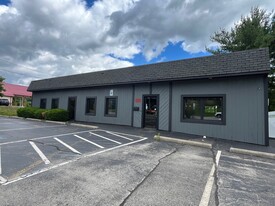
<point x="8" y="111"/>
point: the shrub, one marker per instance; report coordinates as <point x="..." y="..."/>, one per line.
<point x="39" y="113"/>
<point x="57" y="115"/>
<point x="27" y="112"/>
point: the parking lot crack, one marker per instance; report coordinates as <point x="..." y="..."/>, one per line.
<point x="148" y="175"/>
<point x="51" y="145"/>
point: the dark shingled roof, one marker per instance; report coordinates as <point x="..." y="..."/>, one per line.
<point x="247" y="62"/>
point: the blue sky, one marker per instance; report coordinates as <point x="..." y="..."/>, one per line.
<point x="49" y="38"/>
<point x="171" y="52"/>
<point x="4" y="2"/>
<point x="90" y="3"/>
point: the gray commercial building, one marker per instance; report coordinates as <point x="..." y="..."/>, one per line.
<point x="221" y="96"/>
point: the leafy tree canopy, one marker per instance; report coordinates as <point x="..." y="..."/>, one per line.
<point x="257" y="30"/>
<point x="2" y="89"/>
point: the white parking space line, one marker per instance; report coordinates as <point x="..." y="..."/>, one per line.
<point x="40" y="153"/>
<point x="70" y="161"/>
<point x="68" y="146"/>
<point x="6" y="130"/>
<point x="88" y="141"/>
<point x="2" y="179"/>
<point x="119" y="135"/>
<point x="131" y="135"/>
<point x="6" y="123"/>
<point x="208" y="187"/>
<point x="105" y="138"/>
<point x="218" y="156"/>
<point x="45" y="137"/>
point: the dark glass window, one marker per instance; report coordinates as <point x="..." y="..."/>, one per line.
<point x="55" y="103"/>
<point x="43" y="103"/>
<point x="91" y="106"/>
<point x="192" y="108"/>
<point x="203" y="109"/>
<point x="111" y="106"/>
<point x="212" y="108"/>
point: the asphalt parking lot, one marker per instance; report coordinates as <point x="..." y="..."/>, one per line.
<point x="33" y="147"/>
<point x="51" y="164"/>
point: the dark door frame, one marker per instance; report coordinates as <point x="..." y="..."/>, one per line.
<point x="75" y="99"/>
<point x="143" y="109"/>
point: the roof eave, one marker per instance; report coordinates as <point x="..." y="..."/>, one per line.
<point x="263" y="72"/>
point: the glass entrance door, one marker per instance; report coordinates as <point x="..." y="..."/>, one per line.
<point x="150" y="111"/>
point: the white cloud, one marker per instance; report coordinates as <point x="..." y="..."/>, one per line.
<point x="191" y="21"/>
<point x="46" y="38"/>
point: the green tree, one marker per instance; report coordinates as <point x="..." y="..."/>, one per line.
<point x="2" y="89"/>
<point x="256" y="30"/>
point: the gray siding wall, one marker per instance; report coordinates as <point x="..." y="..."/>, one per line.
<point x="162" y="89"/>
<point x="140" y="90"/>
<point x="244" y="108"/>
<point x="124" y="108"/>
<point x="125" y="98"/>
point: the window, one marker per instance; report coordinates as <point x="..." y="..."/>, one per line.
<point x="111" y="106"/>
<point x="91" y="106"/>
<point x="43" y="103"/>
<point x="203" y="109"/>
<point x="55" y="103"/>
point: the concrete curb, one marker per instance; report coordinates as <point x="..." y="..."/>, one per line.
<point x="63" y="123"/>
<point x="83" y="125"/>
<point x="47" y="121"/>
<point x="181" y="141"/>
<point x="252" y="152"/>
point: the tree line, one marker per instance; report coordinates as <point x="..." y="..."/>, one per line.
<point x="257" y="30"/>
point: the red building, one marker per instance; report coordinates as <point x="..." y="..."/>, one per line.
<point x="16" y="93"/>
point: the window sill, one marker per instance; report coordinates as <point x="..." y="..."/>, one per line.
<point x="90" y="114"/>
<point x="203" y="122"/>
<point x="108" y="115"/>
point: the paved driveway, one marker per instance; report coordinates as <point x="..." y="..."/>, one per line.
<point x="51" y="164"/>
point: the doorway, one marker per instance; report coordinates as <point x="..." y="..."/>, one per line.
<point x="150" y="111"/>
<point x="71" y="107"/>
